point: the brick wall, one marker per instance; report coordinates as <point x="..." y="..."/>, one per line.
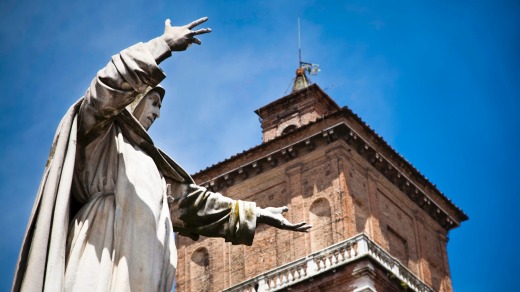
<point x="327" y="179"/>
<point x="337" y="191"/>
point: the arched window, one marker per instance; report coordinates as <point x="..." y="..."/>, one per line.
<point x="289" y="129"/>
<point x="320" y="218"/>
<point x="200" y="278"/>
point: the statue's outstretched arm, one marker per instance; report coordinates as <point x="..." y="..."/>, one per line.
<point x="200" y="211"/>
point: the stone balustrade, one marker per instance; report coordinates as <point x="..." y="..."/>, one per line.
<point x="326" y="260"/>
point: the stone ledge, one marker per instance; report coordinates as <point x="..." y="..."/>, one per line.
<point x="329" y="259"/>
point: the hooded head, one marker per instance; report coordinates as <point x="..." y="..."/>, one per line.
<point x="148" y="107"/>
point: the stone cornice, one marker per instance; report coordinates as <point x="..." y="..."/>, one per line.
<point x="447" y="215"/>
<point x="380" y="147"/>
<point x="329" y="259"/>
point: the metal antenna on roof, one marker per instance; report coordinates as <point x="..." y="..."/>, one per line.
<point x="312" y="69"/>
<point x="299" y="45"/>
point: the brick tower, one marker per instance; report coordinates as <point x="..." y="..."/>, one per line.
<point x="378" y="224"/>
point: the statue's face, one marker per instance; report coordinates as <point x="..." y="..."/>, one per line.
<point x="148" y="109"/>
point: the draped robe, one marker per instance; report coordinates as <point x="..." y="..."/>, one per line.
<point x="109" y="200"/>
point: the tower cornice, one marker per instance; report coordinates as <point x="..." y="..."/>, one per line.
<point x="345" y="127"/>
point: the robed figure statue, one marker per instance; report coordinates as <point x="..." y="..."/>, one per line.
<point x="109" y="201"/>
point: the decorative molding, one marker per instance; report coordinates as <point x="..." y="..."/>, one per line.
<point x="339" y="132"/>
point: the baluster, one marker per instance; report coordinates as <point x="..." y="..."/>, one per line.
<point x="296" y="273"/>
<point x="352" y="251"/>
<point x="340" y="255"/>
<point x="290" y="278"/>
<point x="278" y="281"/>
<point x="333" y="256"/>
<point x="302" y="271"/>
<point x="327" y="261"/>
<point x="284" y="278"/>
<point x="346" y="254"/>
<point x="321" y="264"/>
<point x="272" y="284"/>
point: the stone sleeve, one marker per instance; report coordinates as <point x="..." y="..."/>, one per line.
<point x="214" y="215"/>
<point x="130" y="73"/>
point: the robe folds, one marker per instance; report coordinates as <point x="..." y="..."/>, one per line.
<point x="109" y="200"/>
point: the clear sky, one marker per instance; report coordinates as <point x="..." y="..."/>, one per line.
<point x="439" y="80"/>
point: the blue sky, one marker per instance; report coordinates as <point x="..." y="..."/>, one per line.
<point x="439" y="80"/>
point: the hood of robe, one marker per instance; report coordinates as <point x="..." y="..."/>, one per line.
<point x="131" y="107"/>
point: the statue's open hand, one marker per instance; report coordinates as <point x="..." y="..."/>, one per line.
<point x="273" y="216"/>
<point x="179" y="38"/>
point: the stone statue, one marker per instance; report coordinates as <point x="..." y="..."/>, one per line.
<point x="110" y="201"/>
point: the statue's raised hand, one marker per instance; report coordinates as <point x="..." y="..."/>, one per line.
<point x="179" y="38"/>
<point x="273" y="216"/>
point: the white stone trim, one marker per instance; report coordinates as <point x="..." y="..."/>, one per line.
<point x="326" y="260"/>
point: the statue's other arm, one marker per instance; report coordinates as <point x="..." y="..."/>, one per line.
<point x="128" y="74"/>
<point x="132" y="72"/>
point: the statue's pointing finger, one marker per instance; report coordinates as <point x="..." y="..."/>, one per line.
<point x="196" y="22"/>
